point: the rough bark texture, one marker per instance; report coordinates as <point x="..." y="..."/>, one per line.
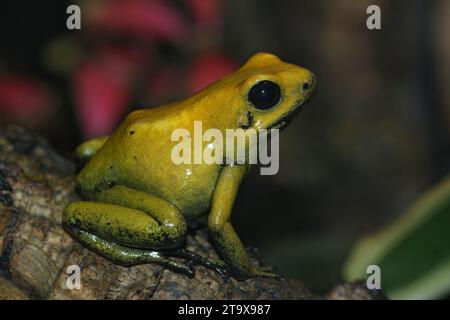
<point x="36" y="184"/>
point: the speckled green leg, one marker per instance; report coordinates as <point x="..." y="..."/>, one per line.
<point x="170" y="220"/>
<point x="128" y="256"/>
<point x="227" y="241"/>
<point x="168" y="226"/>
<point x="127" y="226"/>
<point x="132" y="227"/>
<point x="129" y="217"/>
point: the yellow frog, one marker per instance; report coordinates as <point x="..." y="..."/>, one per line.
<point x="137" y="201"/>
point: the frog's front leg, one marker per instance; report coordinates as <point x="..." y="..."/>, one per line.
<point x="128" y="227"/>
<point x="88" y="149"/>
<point x="227" y="241"/>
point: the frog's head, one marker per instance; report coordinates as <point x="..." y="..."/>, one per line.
<point x="266" y="93"/>
<point x="271" y="92"/>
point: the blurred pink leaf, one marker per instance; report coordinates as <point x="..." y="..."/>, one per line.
<point x="124" y="61"/>
<point x="163" y="84"/>
<point x="23" y="97"/>
<point x="207" y="13"/>
<point x="100" y="99"/>
<point x="139" y="18"/>
<point x="102" y="87"/>
<point x="206" y="69"/>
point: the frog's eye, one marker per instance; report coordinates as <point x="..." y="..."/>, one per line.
<point x="264" y="95"/>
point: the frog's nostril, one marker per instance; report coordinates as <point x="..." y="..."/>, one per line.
<point x="309" y="84"/>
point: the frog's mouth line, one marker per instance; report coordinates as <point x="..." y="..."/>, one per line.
<point x="285" y="119"/>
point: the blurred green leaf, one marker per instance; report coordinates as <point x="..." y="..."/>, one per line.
<point x="413" y="253"/>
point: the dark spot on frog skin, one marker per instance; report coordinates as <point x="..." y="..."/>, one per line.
<point x="245" y="120"/>
<point x="98" y="188"/>
<point x="132" y="132"/>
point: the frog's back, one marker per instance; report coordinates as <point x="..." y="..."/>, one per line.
<point x="138" y="155"/>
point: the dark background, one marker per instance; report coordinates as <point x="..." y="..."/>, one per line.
<point x="374" y="137"/>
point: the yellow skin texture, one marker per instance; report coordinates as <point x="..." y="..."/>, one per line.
<point x="137" y="201"/>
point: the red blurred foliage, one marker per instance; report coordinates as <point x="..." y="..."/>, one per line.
<point x="169" y="81"/>
<point x="144" y="51"/>
<point x="206" y="69"/>
<point x="108" y="79"/>
<point x="162" y="84"/>
<point x="120" y="41"/>
<point x="207" y="13"/>
<point x="24" y="99"/>
<point x="155" y="19"/>
<point x="102" y="88"/>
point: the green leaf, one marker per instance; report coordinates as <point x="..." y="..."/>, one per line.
<point x="413" y="253"/>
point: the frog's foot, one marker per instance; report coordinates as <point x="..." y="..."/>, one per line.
<point x="267" y="268"/>
<point x="265" y="272"/>
<point x="257" y="272"/>
<point x="252" y="250"/>
<point x="216" y="265"/>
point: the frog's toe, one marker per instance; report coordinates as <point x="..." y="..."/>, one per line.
<point x="223" y="272"/>
<point x="212" y="264"/>
<point x="190" y="272"/>
<point x="195" y="259"/>
<point x="261" y="272"/>
<point x="268" y="268"/>
<point x="253" y="250"/>
<point x="187" y="270"/>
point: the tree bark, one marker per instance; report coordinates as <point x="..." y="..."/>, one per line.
<point x="36" y="184"/>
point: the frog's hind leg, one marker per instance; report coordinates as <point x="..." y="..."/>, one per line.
<point x="172" y="223"/>
<point x="165" y="214"/>
<point x="128" y="227"/>
<point x="122" y="225"/>
<point x="132" y="227"/>
<point x="128" y="256"/>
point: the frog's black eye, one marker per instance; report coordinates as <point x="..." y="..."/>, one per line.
<point x="264" y="95"/>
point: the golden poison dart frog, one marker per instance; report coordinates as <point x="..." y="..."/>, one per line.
<point x="136" y="202"/>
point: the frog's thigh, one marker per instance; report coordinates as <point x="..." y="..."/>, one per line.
<point x="120" y="218"/>
<point x="171" y="224"/>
